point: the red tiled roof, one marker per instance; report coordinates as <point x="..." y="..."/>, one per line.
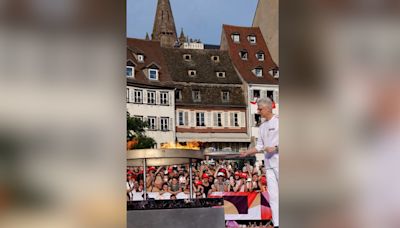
<point x="152" y="55"/>
<point x="245" y="67"/>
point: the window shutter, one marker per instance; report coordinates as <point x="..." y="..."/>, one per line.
<point x="186" y="118"/>
<point x="158" y="94"/>
<point x="192" y="119"/>
<point x="144" y="96"/>
<point x="226" y="119"/>
<point x="232" y="119"/>
<point x="177" y="118"/>
<point x="276" y="96"/>
<point x="242" y="120"/>
<point x="208" y="120"/>
<point x="215" y="116"/>
<point x="251" y="95"/>
<point x="131" y="95"/>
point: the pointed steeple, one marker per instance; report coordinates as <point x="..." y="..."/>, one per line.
<point x="164" y="25"/>
<point x="147" y="36"/>
<point x="182" y="37"/>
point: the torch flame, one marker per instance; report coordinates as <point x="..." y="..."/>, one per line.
<point x="191" y="145"/>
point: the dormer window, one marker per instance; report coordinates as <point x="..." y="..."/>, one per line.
<point x="221" y="74"/>
<point x="130" y="71"/>
<point x="258" y="72"/>
<point x="251" y="39"/>
<point x="243" y="54"/>
<point x="235" y="37"/>
<point x="225" y="96"/>
<point x="192" y="73"/>
<point x="196" y="95"/>
<point x="215" y="58"/>
<point x="260" y="56"/>
<point x="140" y="58"/>
<point x="153" y="74"/>
<point x="274" y="73"/>
<point x="187" y="57"/>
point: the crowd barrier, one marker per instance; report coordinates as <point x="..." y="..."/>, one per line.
<point x="237" y="205"/>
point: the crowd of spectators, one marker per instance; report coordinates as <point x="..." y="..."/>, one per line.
<point x="172" y="182"/>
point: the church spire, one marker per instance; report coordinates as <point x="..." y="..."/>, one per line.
<point x="182" y="37"/>
<point x="147" y="36"/>
<point x="164" y="25"/>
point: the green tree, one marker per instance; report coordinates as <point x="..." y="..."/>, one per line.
<point x="136" y="131"/>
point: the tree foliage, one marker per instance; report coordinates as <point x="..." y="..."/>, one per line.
<point x="136" y="130"/>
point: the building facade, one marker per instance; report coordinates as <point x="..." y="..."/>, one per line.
<point x="253" y="63"/>
<point x="149" y="93"/>
<point x="210" y="104"/>
<point x="267" y="19"/>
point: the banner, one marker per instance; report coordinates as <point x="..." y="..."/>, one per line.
<point x="245" y="205"/>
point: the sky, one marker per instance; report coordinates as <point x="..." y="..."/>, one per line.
<point x="200" y="19"/>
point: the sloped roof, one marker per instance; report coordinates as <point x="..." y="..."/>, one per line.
<point x="152" y="56"/>
<point x="245" y="67"/>
<point x="202" y="63"/>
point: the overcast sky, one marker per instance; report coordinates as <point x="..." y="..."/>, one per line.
<point x="200" y="19"/>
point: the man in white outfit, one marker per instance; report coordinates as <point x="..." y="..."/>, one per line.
<point x="268" y="143"/>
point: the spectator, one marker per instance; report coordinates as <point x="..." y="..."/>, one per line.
<point x="174" y="186"/>
<point x="221" y="184"/>
<point x="172" y="197"/>
<point x="130" y="186"/>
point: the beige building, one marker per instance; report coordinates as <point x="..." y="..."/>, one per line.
<point x="267" y="18"/>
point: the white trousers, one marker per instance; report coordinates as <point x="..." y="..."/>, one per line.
<point x="273" y="191"/>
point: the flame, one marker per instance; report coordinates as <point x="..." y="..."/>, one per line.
<point x="192" y="145"/>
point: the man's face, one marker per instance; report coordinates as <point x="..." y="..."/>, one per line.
<point x="263" y="110"/>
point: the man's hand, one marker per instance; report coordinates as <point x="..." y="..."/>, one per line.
<point x="269" y="149"/>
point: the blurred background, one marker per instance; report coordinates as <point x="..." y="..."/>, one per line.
<point x="62" y="113"/>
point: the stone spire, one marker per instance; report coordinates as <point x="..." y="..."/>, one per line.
<point x="147" y="36"/>
<point x="182" y="37"/>
<point x="164" y="25"/>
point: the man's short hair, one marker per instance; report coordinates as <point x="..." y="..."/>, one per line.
<point x="266" y="102"/>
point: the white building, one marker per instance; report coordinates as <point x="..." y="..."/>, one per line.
<point x="156" y="105"/>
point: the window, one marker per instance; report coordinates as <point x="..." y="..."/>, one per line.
<point x="164" y="98"/>
<point x="153" y="74"/>
<point x="152" y="122"/>
<point x="225" y="96"/>
<point x="164" y="123"/>
<point x="181" y="119"/>
<point x="234" y="119"/>
<point x="130" y="71"/>
<point x="260" y="56"/>
<point x="258" y="72"/>
<point x="200" y="119"/>
<point x="270" y="94"/>
<point x="138" y="96"/>
<point x="192" y="73"/>
<point x="139" y="117"/>
<point x="196" y="95"/>
<point x="256" y="93"/>
<point x="218" y="119"/>
<point x="274" y="73"/>
<point x="243" y="54"/>
<point x="178" y="95"/>
<point x="151" y="97"/>
<point x="221" y="74"/>
<point x="187" y="57"/>
<point x="140" y="58"/>
<point x="252" y="39"/>
<point x="235" y="37"/>
<point x="215" y="58"/>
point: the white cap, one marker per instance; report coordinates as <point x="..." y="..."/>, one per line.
<point x="220" y="174"/>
